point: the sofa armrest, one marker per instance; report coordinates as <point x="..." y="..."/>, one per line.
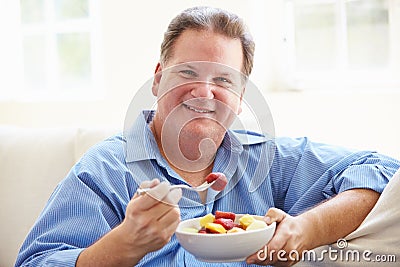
<point x="32" y="162"/>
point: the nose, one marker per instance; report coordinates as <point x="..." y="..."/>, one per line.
<point x="203" y="90"/>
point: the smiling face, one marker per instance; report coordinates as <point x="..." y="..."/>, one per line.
<point x="199" y="89"/>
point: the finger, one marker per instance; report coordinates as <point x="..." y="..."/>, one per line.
<point x="165" y="206"/>
<point x="170" y="202"/>
<point x="149" y="184"/>
<point x="274" y="215"/>
<point x="158" y="211"/>
<point x="173" y="197"/>
<point x="278" y="241"/>
<point x="255" y="258"/>
<point x="153" y="196"/>
<point x="171" y="219"/>
<point x="269" y="254"/>
<point x="172" y="216"/>
<point x="261" y="257"/>
<point x="167" y="225"/>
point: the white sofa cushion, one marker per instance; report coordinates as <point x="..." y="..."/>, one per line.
<point x="32" y="162"/>
<point x="375" y="242"/>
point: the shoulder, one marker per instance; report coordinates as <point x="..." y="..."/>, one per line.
<point x="247" y="137"/>
<point x="102" y="167"/>
<point x="290" y="147"/>
<point x="112" y="145"/>
<point x="110" y="151"/>
<point x="250" y="138"/>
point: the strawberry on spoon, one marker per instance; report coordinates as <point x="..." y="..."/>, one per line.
<point x="220" y="180"/>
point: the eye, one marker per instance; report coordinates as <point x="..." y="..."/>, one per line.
<point x="222" y="79"/>
<point x="188" y="73"/>
<point x="223" y="82"/>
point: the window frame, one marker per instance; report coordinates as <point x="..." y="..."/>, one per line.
<point x="342" y="78"/>
<point x="50" y="28"/>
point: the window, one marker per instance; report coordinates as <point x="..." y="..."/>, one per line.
<point x="58" y="49"/>
<point x="343" y="44"/>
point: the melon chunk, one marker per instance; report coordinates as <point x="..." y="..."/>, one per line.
<point x="190" y="230"/>
<point x="246" y="220"/>
<point x="215" y="228"/>
<point x="257" y="224"/>
<point x="209" y="218"/>
<point x="235" y="230"/>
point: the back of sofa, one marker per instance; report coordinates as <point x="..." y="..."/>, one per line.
<point x="32" y="163"/>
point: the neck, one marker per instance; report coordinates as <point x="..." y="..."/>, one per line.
<point x="190" y="156"/>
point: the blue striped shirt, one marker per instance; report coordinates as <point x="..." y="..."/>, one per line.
<point x="290" y="174"/>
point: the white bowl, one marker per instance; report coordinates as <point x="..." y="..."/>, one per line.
<point x="223" y="247"/>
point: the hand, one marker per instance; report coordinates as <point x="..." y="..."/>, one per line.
<point x="288" y="243"/>
<point x="149" y="223"/>
<point x="151" y="219"/>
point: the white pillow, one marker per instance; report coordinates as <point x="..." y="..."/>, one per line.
<point x="376" y="242"/>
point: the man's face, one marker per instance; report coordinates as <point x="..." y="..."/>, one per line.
<point x="199" y="89"/>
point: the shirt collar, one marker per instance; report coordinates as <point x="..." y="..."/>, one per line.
<point x="140" y="141"/>
<point x="141" y="144"/>
<point x="245" y="137"/>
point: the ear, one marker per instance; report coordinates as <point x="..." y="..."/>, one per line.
<point x="240" y="101"/>
<point x="240" y="108"/>
<point x="157" y="78"/>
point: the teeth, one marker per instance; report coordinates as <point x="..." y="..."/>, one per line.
<point x="198" y="110"/>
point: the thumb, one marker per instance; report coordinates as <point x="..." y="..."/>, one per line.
<point x="147" y="184"/>
<point x="274" y="215"/>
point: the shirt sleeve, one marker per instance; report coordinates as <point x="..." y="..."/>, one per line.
<point x="84" y="207"/>
<point x="367" y="170"/>
<point x="305" y="173"/>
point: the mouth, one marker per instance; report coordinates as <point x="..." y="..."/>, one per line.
<point x="198" y="109"/>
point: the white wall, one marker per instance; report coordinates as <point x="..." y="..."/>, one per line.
<point x="364" y="121"/>
<point x="132" y="34"/>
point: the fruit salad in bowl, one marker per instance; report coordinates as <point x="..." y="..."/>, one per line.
<point x="224" y="236"/>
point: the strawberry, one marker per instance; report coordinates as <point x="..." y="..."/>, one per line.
<point x="225" y="215"/>
<point x="226" y="223"/>
<point x="203" y="231"/>
<point x="220" y="180"/>
<point x="238" y="225"/>
<point x="212" y="177"/>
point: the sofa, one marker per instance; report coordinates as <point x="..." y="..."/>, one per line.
<point x="33" y="161"/>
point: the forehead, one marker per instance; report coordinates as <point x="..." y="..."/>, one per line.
<point x="208" y="46"/>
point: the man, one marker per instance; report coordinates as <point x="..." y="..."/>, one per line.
<point x="316" y="193"/>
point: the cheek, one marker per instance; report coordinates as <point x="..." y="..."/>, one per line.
<point x="171" y="98"/>
<point x="232" y="100"/>
<point x="171" y="84"/>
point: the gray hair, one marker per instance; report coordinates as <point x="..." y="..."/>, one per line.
<point x="216" y="20"/>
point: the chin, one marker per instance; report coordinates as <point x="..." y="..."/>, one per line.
<point x="204" y="128"/>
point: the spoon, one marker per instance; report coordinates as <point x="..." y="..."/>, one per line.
<point x="216" y="181"/>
